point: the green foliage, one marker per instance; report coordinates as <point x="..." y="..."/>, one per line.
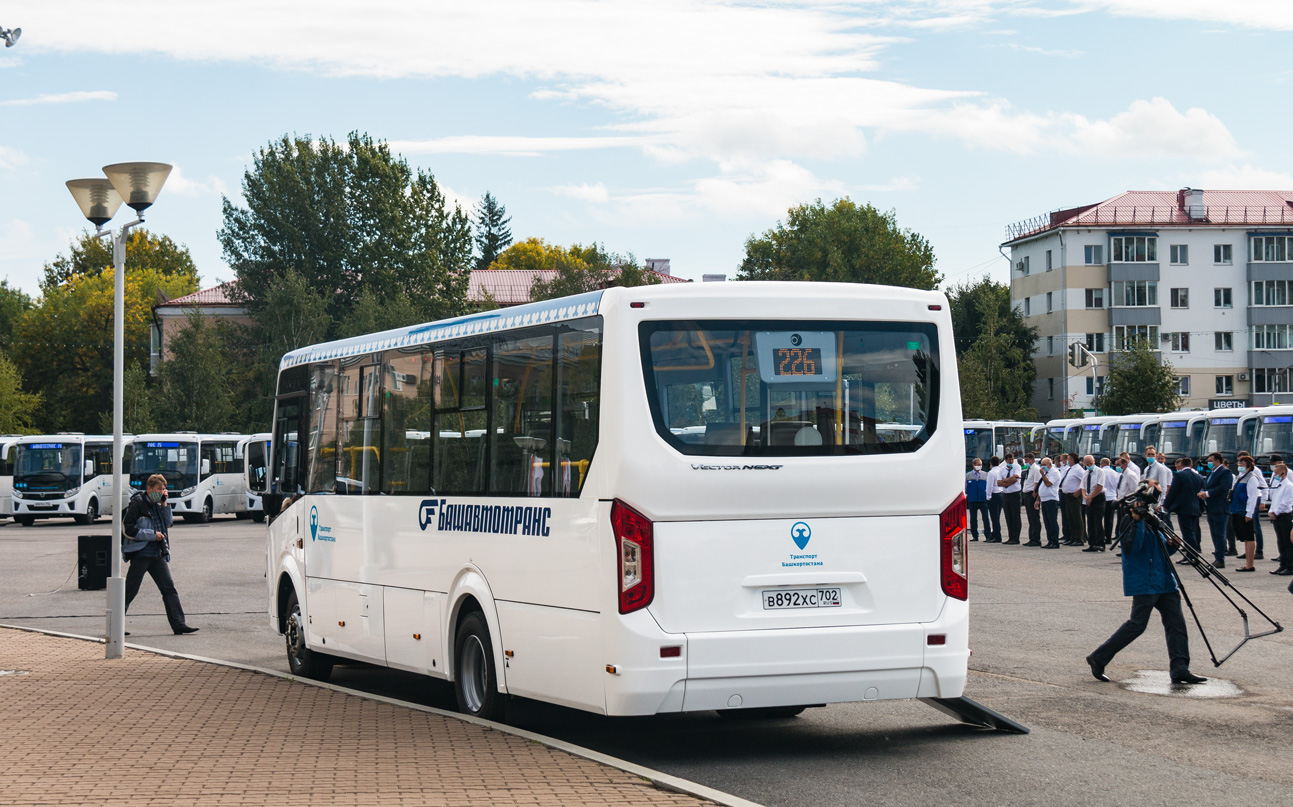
<point x="843" y="243"/>
<point x="1139" y="380"/>
<point x="17" y="408"/>
<point x="13" y="304"/>
<point x="195" y="385"/>
<point x="578" y="268"/>
<point x="145" y="252"/>
<point x="994" y="349"/>
<point x="346" y="217"/>
<point x="492" y="233"/>
<point x="138" y="403"/>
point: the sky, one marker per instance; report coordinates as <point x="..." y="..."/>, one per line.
<point x="666" y="129"/>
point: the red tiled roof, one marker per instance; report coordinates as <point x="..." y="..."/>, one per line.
<point x="216" y="295"/>
<point x="512" y="286"/>
<point x="1166" y="209"/>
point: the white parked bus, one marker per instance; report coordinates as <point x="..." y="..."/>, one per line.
<point x="518" y="501"/>
<point x="8" y="451"/>
<point x="63" y="476"/>
<point x="1229" y="431"/>
<point x="1274" y="435"/>
<point x="255" y="477"/>
<point x="204" y="472"/>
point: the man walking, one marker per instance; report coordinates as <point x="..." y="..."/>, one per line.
<point x="1216" y="495"/>
<point x="1048" y="493"/>
<point x="1148" y="579"/>
<point x="1032" y="505"/>
<point x="976" y="500"/>
<point x="1011" y="483"/>
<point x="145" y="522"/>
<point x="1093" y="500"/>
<point x="1071" y="493"/>
<point x="1183" y="499"/>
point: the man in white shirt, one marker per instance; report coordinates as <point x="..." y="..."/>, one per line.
<point x="1281" y="513"/>
<point x="1110" y="481"/>
<point x="1071" y="496"/>
<point x="1093" y="500"/>
<point x="1011" y="484"/>
<point x="994" y="502"/>
<point x="1032" y="506"/>
<point x="1048" y="495"/>
<point x="1158" y="471"/>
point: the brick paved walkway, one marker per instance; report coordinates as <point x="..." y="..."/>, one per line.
<point x="77" y="729"/>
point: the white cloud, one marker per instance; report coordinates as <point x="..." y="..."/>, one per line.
<point x="11" y="158"/>
<point x="180" y="184"/>
<point x="895" y="184"/>
<point x="507" y="145"/>
<point x="1240" y="177"/>
<point x="63" y="98"/>
<point x="596" y="194"/>
<point x="1275" y="15"/>
<point x="1066" y="53"/>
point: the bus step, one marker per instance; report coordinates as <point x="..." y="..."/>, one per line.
<point x="975" y="714"/>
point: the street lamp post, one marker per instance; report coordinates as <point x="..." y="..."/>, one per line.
<point x="138" y="185"/>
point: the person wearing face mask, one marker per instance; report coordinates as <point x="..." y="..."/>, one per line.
<point x="976" y="500"/>
<point x="1160" y="473"/>
<point x="1011" y="484"/>
<point x="993" y="529"/>
<point x="1032" y="504"/>
<point x="1093" y="500"/>
<point x="1244" y="498"/>
<point x="1265" y="495"/>
<point x="1183" y="499"/>
<point x="1048" y="494"/>
<point x="1281" y="514"/>
<point x="145" y="524"/>
<point x="1111" y="479"/>
<point x="1216" y="495"/>
<point x="1071" y="496"/>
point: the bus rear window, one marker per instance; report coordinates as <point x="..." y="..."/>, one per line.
<point x="792" y="387"/>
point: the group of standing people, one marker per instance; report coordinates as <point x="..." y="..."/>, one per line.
<point x="1076" y="500"/>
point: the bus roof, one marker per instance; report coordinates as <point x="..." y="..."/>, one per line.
<point x="75" y="438"/>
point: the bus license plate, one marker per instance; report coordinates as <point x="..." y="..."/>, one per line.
<point x="801" y="598"/>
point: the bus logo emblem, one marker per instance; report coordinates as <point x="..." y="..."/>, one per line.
<point x="426" y="513"/>
<point x="314" y="523"/>
<point x="800" y="533"/>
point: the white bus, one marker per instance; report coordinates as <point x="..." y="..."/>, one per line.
<point x="8" y="451"/>
<point x="62" y="476"/>
<point x="561" y="534"/>
<point x="204" y="472"/>
<point x="1274" y="435"/>
<point x="255" y="478"/>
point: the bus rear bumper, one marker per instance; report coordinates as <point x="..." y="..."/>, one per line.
<point x="795" y="667"/>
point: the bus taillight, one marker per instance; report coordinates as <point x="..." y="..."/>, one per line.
<point x="633" y="539"/>
<point x="953" y="559"/>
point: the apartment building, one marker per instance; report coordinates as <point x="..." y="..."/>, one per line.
<point x="1205" y="276"/>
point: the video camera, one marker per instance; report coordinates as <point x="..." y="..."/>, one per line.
<point x="1142" y="500"/>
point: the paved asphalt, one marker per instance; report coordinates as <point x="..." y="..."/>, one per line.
<point x="1036" y="614"/>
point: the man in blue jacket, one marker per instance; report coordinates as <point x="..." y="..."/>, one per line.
<point x="1183" y="499"/>
<point x="1148" y="578"/>
<point x="1216" y="494"/>
<point x="976" y="499"/>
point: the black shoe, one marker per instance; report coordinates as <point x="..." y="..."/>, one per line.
<point x="1283" y="571"/>
<point x="1230" y="553"/>
<point x="1011" y="541"/>
<point x="128" y="632"/>
<point x="1050" y="546"/>
<point x="975" y="538"/>
<point x="184" y="630"/>
<point x="1182" y="563"/>
<point x="1188" y="678"/>
<point x="1093" y="549"/>
<point x="1219" y="564"/>
<point x="1246" y="569"/>
<point x="1258" y="556"/>
<point x="1033" y="543"/>
<point x="1097" y="670"/>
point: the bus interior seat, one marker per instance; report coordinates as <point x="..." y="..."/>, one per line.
<point x="808" y="436"/>
<point x="722" y="434"/>
<point x="785" y="432"/>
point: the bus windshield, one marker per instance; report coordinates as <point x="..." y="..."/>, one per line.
<point x="1128" y="440"/>
<point x="1089" y="441"/>
<point x="1223" y="436"/>
<point x="1174" y="440"/>
<point x="176" y="461"/>
<point x="978" y="443"/>
<point x="791" y="388"/>
<point x="48" y="467"/>
<point x="1274" y="436"/>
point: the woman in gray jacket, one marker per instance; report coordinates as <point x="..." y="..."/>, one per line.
<point x="145" y="522"/>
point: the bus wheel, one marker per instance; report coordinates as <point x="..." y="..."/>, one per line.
<point x="762" y="713"/>
<point x="301" y="660"/>
<point x="258" y="517"/>
<point x="91" y="513"/>
<point x="475" y="678"/>
<point x="25" y="521"/>
<point x="204" y="515"/>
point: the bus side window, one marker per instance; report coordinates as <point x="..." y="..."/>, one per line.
<point x="321" y="443"/>
<point x="578" y="395"/>
<point x="460" y="424"/>
<point x="359" y="465"/>
<point x="521" y="440"/>
<point x="406" y="423"/>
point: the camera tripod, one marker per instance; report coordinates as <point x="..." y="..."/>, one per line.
<point x="1208" y="572"/>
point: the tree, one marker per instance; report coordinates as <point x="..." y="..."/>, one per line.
<point x="844" y="243"/>
<point x="1139" y="380"/>
<point x="346" y="217"/>
<point x="146" y="252"/>
<point x="138" y="404"/>
<point x="994" y="347"/>
<point x="578" y="268"/>
<point x="195" y="391"/>
<point x="17" y="408"/>
<point x="13" y="304"/>
<point x="492" y="233"/>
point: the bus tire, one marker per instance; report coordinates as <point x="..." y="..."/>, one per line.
<point x="91" y="513"/>
<point x="259" y="517"/>
<point x="475" y="676"/>
<point x="203" y="516"/>
<point x="243" y="516"/>
<point x="301" y="660"/>
<point x="762" y="713"/>
<point x="25" y="521"/>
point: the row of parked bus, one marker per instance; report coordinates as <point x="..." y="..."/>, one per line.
<point x="1261" y="431"/>
<point x="70" y="475"/>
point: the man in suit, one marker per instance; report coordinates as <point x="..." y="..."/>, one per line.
<point x="1183" y="499"/>
<point x="1216" y="495"/>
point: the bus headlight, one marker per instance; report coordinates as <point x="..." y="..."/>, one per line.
<point x="188" y="491"/>
<point x="72" y="492"/>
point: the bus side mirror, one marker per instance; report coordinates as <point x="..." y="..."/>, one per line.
<point x="88" y="470"/>
<point x="1001" y="450"/>
<point x="273" y="504"/>
<point x="1212" y="446"/>
<point x="1268" y="445"/>
<point x="206" y="467"/>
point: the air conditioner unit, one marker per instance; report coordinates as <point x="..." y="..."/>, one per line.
<point x="1019" y="265"/>
<point x="1166" y="336"/>
<point x="1243" y="376"/>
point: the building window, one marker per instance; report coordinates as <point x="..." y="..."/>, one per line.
<point x="1135" y="292"/>
<point x="1225" y="385"/>
<point x="1180" y="298"/>
<point x="1028" y="306"/>
<point x="1272" y="292"/>
<point x="1183" y="386"/>
<point x="1095" y="342"/>
<point x="1094" y="254"/>
<point x="1048" y="260"/>
<point x="1023" y="265"/>
<point x="1095" y="298"/>
<point x="1125" y="336"/>
<point x="1270" y="379"/>
<point x="1269" y="337"/>
<point x="1221" y="298"/>
<point x="1221" y="253"/>
<point x="1224" y="341"/>
<point x="1135" y="249"/>
<point x="1050" y="389"/>
<point x="1179" y="254"/>
<point x="1180" y="341"/>
<point x="1050" y="306"/>
<point x="1050" y="346"/>
<point x="1095" y="386"/>
<point x="1272" y="248"/>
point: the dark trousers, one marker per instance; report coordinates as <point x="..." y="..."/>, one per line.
<point x="1050" y="513"/>
<point x="1190" y="531"/>
<point x="1095" y="521"/>
<point x="1257" y="529"/>
<point x="975" y="509"/>
<point x="994" y="510"/>
<point x="1010" y="504"/>
<point x="1110" y="516"/>
<point x="1073" y="509"/>
<point x="1034" y="520"/>
<point x="1218" y="523"/>
<point x="161" y="574"/>
<point x="1284" y="539"/>
<point x="1142" y="605"/>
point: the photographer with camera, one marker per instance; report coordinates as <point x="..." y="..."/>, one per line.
<point x="1148" y="578"/>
